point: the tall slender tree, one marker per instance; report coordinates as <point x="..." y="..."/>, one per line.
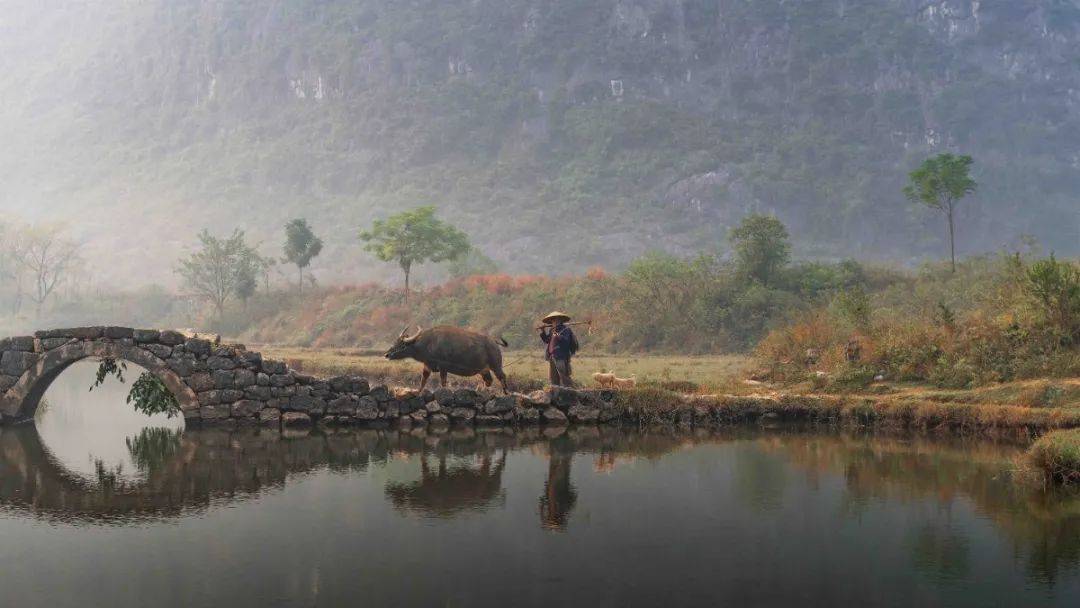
<point x="940" y="183"/>
<point x="301" y="246"/>
<point x="414" y="237"/>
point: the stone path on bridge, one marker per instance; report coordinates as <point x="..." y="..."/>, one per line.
<point x="228" y="384"/>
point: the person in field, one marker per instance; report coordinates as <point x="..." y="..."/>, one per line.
<point x="560" y="345"/>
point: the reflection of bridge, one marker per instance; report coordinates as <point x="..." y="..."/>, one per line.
<point x="221" y="382"/>
<point x="189" y="471"/>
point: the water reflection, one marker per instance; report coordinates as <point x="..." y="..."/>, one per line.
<point x="800" y="513"/>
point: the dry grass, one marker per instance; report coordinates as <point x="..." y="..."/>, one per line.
<point x="1057" y="454"/>
<point x="528" y="370"/>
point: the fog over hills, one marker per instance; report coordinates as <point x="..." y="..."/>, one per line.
<point x="640" y="124"/>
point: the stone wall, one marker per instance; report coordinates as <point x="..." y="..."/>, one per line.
<point x="226" y="383"/>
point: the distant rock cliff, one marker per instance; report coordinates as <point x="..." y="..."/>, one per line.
<point x="645" y="123"/>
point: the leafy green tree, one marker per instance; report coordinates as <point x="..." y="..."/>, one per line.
<point x="414" y="237"/>
<point x="301" y="246"/>
<point x="1055" y="287"/>
<point x="940" y="183"/>
<point x="761" y="247"/>
<point x="472" y="263"/>
<point x="216" y="271"/>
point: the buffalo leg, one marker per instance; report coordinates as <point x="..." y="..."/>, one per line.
<point x="486" y="377"/>
<point x="424" y="377"/>
<point x="502" y="379"/>
<point x="442" y="379"/>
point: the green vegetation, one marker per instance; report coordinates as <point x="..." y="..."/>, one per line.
<point x="939" y="183"/>
<point x="996" y="319"/>
<point x="414" y="237"/>
<point x="504" y="112"/>
<point x="221" y="269"/>
<point x="301" y="246"/>
<point x="148" y="393"/>
<point x="1057" y="454"/>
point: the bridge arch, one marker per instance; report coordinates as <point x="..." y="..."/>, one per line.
<point x="21" y="400"/>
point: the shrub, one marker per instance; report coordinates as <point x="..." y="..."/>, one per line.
<point x="1057" y="454"/>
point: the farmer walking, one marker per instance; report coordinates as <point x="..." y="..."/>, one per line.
<point x="561" y="345"/>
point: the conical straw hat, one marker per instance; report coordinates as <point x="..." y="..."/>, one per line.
<point x="552" y="316"/>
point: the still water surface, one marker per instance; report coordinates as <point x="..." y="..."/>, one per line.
<point x="100" y="506"/>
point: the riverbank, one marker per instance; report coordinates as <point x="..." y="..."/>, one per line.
<point x="710" y="391"/>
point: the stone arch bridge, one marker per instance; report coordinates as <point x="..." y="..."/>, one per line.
<point x="226" y="383"/>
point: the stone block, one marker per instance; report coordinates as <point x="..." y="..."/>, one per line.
<point x="488" y="420"/>
<point x="6" y="382"/>
<point x="200" y="382"/>
<point x="500" y="405"/>
<point x="553" y="415"/>
<point x="251" y="360"/>
<point x="282" y="380"/>
<point x="527" y="415"/>
<point x="21" y="343"/>
<point x="159" y="350"/>
<point x="230" y="395"/>
<point x="282" y="391"/>
<point x="214" y="412"/>
<point x="438" y="420"/>
<point x="270" y="416"/>
<point x="51" y="343"/>
<point x="307" y="403"/>
<point x="198" y="346"/>
<point x="295" y="419"/>
<point x="218" y="362"/>
<point x="243" y="378"/>
<point x="246" y="408"/>
<point x="367" y="409"/>
<point x="14" y="363"/>
<point x="222" y="378"/>
<point x="564" y="398"/>
<point x="272" y="367"/>
<point x="410" y="405"/>
<point x="171" y="338"/>
<point x="462" y="414"/>
<point x="444" y="396"/>
<point x="143" y="336"/>
<point x="261" y="393"/>
<point x="538" y="399"/>
<point x="119" y="333"/>
<point x="342" y="405"/>
<point x="183" y="367"/>
<point x="583" y="414"/>
<point x="262" y="379"/>
<point x="467" y="397"/>
<point x="380" y="394"/>
<point x="87" y="333"/>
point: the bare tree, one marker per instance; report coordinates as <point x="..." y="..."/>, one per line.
<point x="48" y="255"/>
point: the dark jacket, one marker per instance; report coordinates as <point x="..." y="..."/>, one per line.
<point x="559" y="342"/>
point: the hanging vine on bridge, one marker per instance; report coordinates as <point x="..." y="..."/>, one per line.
<point x="148" y="393"/>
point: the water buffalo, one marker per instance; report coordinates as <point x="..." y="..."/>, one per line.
<point x="451" y="350"/>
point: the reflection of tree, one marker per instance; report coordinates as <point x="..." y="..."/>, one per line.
<point x="559" y="496"/>
<point x="153" y="447"/>
<point x="760" y="479"/>
<point x="447" y="491"/>
<point x="1046" y="524"/>
<point x="942" y="553"/>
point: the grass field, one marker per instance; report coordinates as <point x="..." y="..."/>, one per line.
<point x="528" y="370"/>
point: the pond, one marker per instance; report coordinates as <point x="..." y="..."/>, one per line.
<point x="140" y="511"/>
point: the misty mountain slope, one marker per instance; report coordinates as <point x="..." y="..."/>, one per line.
<point x="640" y="124"/>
